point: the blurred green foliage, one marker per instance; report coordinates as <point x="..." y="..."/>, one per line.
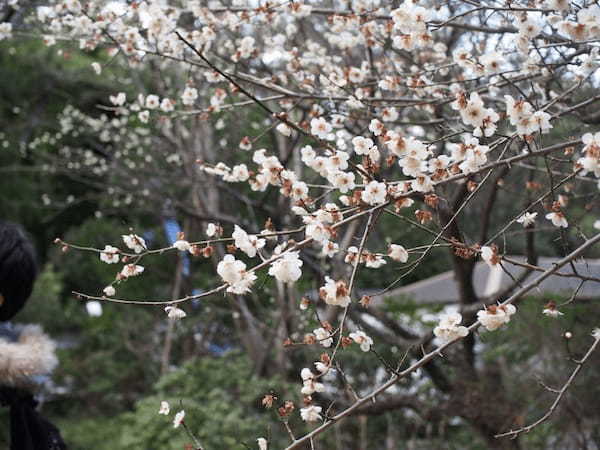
<point x="221" y="398"/>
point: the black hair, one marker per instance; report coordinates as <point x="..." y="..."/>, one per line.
<point x="18" y="269"/>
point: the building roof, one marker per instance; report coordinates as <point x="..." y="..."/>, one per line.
<point x="488" y="281"/>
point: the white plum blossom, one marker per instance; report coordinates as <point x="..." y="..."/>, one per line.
<point x="335" y="293"/>
<point x="165" y="409"/>
<point x="343" y="181"/>
<point x="449" y="327"/>
<point x="439" y="163"/>
<point x="323" y="337"/>
<point x="362" y="145"/>
<point x="362" y="339"/>
<point x="316" y="229"/>
<point x="492" y="62"/>
<point x="591" y="161"/>
<point x="329" y="249"/>
<point x="527" y="219"/>
<point x="550" y="310"/>
<point x="376" y="127"/>
<point x="284" y="129"/>
<point x="541" y="122"/>
<point x="558" y="219"/>
<point x="389" y="114"/>
<point x="134" y="242"/>
<point x="94" y="308"/>
<point x="310" y="383"/>
<point x="189" y="96"/>
<point x="239" y="173"/>
<point x="374" y="261"/>
<point x="352" y="254"/>
<point x="337" y="162"/>
<point x="178" y="420"/>
<point x="320" y="128"/>
<point x="152" y="101"/>
<point x="299" y="190"/>
<point x="322" y="367"/>
<point x="262" y="443"/>
<point x="413" y="165"/>
<point x="212" y="230"/>
<point x="182" y="245"/>
<point x="589" y="63"/>
<point x="490" y="255"/>
<point x="109" y="291"/>
<point x="287" y="268"/>
<point x="233" y="272"/>
<point x="110" y="255"/>
<point x="167" y="105"/>
<point x="119" y="99"/>
<point x="131" y="270"/>
<point x="311" y="413"/>
<point x="522" y="115"/>
<point x="472" y="154"/>
<point x="249" y="244"/>
<point x="375" y="193"/>
<point x="173" y="312"/>
<point x="398" y="253"/>
<point x="246" y="47"/>
<point x="493" y="317"/>
<point x="144" y="116"/>
<point x="473" y="112"/>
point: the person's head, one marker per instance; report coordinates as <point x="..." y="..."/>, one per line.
<point x="18" y="269"/>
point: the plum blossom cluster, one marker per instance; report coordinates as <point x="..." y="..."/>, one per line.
<point x="323" y="337"/>
<point x="236" y="174"/>
<point x="361" y="338"/>
<point x="165" y="410"/>
<point x="474" y="113"/>
<point x="247" y="243"/>
<point x="410" y="26"/>
<point x="110" y="255"/>
<point x="335" y="293"/>
<point x="493" y="317"/>
<point x="113" y="255"/>
<point x="590" y="162"/>
<point x="135" y="242"/>
<point x="311" y="413"/>
<point x="587" y="25"/>
<point x="550" y="310"/>
<point x="527" y="121"/>
<point x="333" y="168"/>
<point x="287" y="268"/>
<point x="271" y="172"/>
<point x="449" y="328"/>
<point x="371" y="260"/>
<point x="469" y="155"/>
<point x="310" y="383"/>
<point x="233" y="272"/>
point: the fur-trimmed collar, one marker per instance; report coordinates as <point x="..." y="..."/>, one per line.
<point x="30" y="356"/>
